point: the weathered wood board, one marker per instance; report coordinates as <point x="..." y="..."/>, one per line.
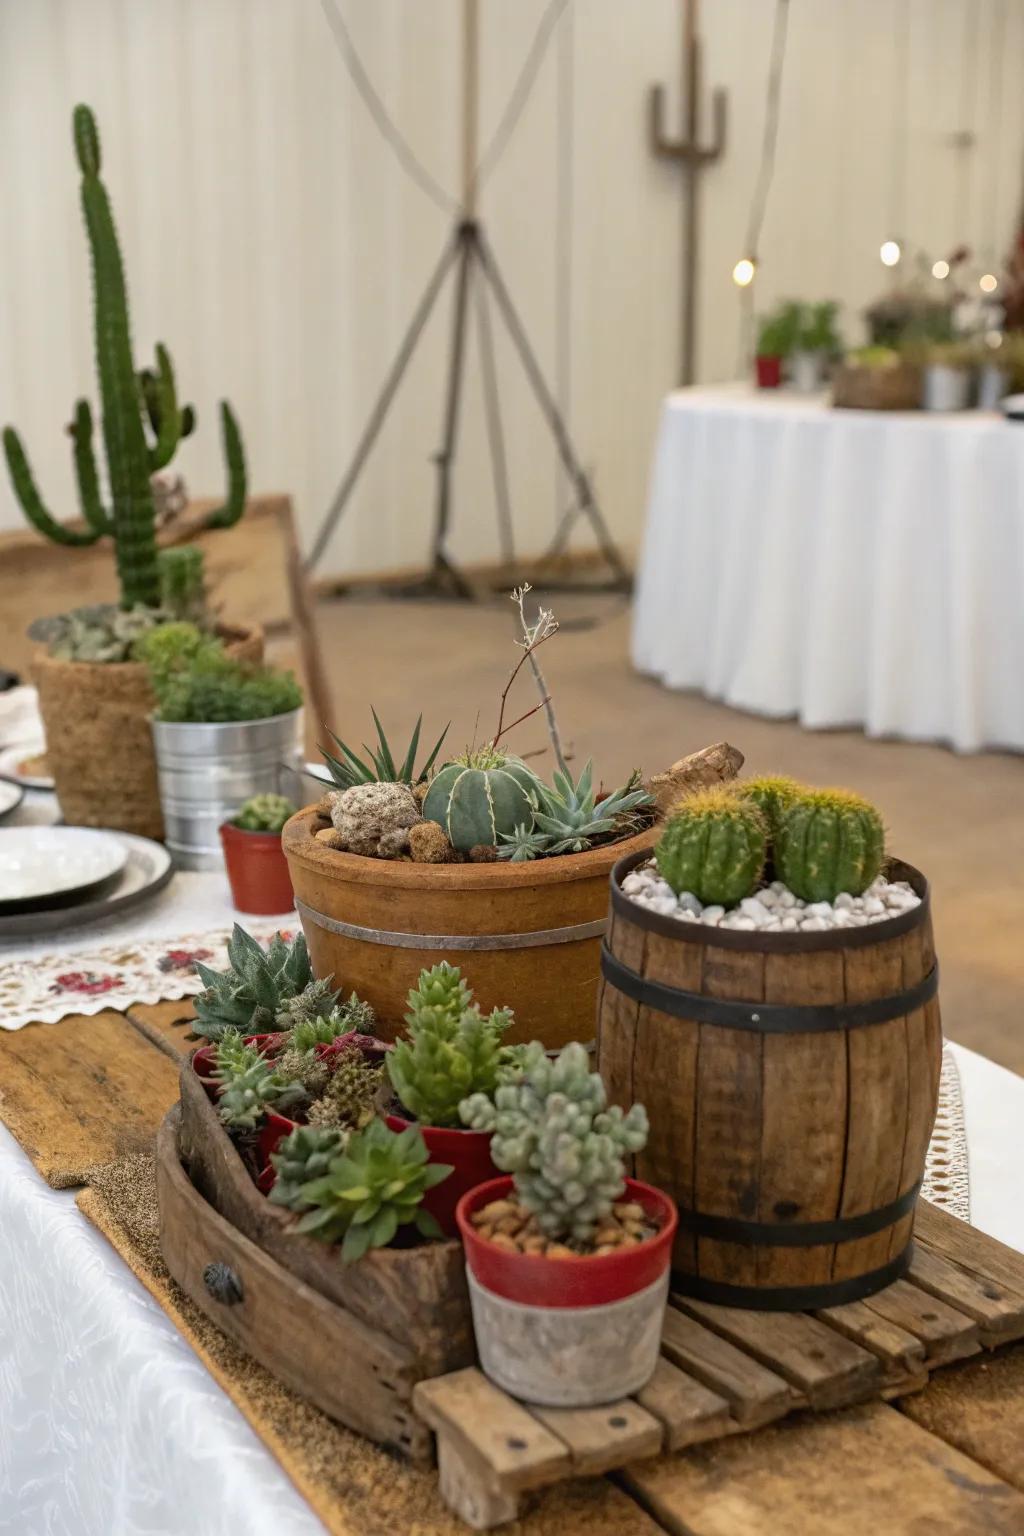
<point x="84" y="1091"/>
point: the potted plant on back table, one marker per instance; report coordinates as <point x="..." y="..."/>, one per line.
<point x="93" y="695"/>
<point x="256" y="865"/>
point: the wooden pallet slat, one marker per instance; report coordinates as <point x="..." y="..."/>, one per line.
<point x="755" y="1394"/>
<point x="599" y="1439"/>
<point x="976" y="1251"/>
<point x="688" y="1411"/>
<point x="945" y="1333"/>
<point x="900" y="1353"/>
<point x="827" y="1368"/>
<point x="491" y="1429"/>
<point x="998" y="1312"/>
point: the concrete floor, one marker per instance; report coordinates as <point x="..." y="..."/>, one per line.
<point x="960" y="819"/>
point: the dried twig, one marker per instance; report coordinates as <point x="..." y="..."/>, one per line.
<point x="544" y="626"/>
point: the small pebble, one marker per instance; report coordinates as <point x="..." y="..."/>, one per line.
<point x="785" y="898"/>
<point x="813" y="925"/>
<point x="752" y="907"/>
<point x="873" y="906"/>
<point x="843" y="900"/>
<point x="712" y="915"/>
<point x="819" y="909"/>
<point x="689" y="902"/>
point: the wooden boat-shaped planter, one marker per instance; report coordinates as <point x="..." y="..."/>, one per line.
<point x="527" y="935"/>
<point x="352" y="1339"/>
<point x="791" y="1081"/>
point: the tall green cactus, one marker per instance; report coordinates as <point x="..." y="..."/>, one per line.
<point x="129" y="400"/>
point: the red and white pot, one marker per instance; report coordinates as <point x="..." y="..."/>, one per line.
<point x="569" y="1333"/>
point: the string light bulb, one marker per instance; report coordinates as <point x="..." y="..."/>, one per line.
<point x="988" y="283"/>
<point x="743" y="272"/>
<point x="940" y="269"/>
<point x="890" y="253"/>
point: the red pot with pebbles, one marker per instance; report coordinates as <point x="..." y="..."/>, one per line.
<point x="558" y="1326"/>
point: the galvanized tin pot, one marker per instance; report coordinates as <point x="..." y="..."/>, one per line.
<point x="993" y="384"/>
<point x="945" y="388"/>
<point x="206" y="771"/>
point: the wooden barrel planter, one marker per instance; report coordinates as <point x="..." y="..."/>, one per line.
<point x="353" y="1339"/>
<point x="527" y="936"/>
<point x="791" y="1082"/>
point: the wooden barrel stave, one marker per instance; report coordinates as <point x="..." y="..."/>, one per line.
<point x="768" y="1127"/>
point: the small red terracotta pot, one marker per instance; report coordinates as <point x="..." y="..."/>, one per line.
<point x="769" y="372"/>
<point x="469" y="1153"/>
<point x="257" y="871"/>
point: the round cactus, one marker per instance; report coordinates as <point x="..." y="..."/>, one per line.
<point x="772" y="793"/>
<point x="829" y="841"/>
<point x="713" y="845"/>
<point x="480" y="796"/>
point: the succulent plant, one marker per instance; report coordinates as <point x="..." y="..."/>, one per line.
<point x="569" y="817"/>
<point x="130" y="519"/>
<point x="554" y="1132"/>
<point x="249" y="995"/>
<point x="382" y="768"/>
<point x="370" y="1189"/>
<point x="249" y="1083"/>
<point x="264" y="813"/>
<point x="317" y="1000"/>
<point x="772" y="793"/>
<point x="714" y="845"/>
<point x="308" y="1030"/>
<point x="452" y="1049"/>
<point x="99" y="632"/>
<point x="305" y="1154"/>
<point x="216" y="686"/>
<point x="480" y="796"/>
<point x="350" y="1096"/>
<point x="306" y="1068"/>
<point x="827" y="842"/>
<point x="183" y="583"/>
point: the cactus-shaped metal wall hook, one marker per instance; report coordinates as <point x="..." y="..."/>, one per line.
<point x="694" y="157"/>
<point x="130" y="403"/>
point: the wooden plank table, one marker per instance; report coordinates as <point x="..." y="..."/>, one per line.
<point x="943" y="1454"/>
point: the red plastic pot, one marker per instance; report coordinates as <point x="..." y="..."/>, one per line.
<point x="469" y="1153"/>
<point x="257" y="871"/>
<point x="537" y="1281"/>
<point x="769" y="372"/>
<point x="572" y="1332"/>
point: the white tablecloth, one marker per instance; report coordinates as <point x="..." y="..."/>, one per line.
<point x="846" y="567"/>
<point x="111" y="1427"/>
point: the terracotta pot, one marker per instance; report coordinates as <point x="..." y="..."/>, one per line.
<point x="569" y="1332"/>
<point x="469" y="1153"/>
<point x="527" y="936"/>
<point x="257" y="870"/>
<point x="99" y="745"/>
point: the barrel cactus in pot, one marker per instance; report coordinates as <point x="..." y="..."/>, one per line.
<point x="772" y="957"/>
<point x="567" y="1260"/>
<point x="95" y="716"/>
<point x="487" y="854"/>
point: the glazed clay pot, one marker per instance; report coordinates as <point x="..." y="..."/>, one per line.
<point x="527" y="936"/>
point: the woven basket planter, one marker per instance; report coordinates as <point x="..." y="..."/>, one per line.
<point x="99" y="745"/>
<point x="877" y="389"/>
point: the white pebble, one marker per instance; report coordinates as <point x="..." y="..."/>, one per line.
<point x="774" y="926"/>
<point x="712" y="915"/>
<point x="873" y="906"/>
<point x="819" y="909"/>
<point x="746" y="923"/>
<point x="751" y="907"/>
<point x="633" y="883"/>
<point x="691" y="903"/>
<point x="789" y="925"/>
<point x="844" y="899"/>
<point x="785" y="898"/>
<point x="813" y="925"/>
<point x="768" y="897"/>
<point x="666" y="905"/>
<point x="780" y="888"/>
<point x="684" y="915"/>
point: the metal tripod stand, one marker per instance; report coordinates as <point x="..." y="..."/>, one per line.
<point x="476" y="270"/>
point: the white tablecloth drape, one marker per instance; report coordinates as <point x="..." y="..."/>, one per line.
<point x="846" y="567"/>
<point x="110" y="1426"/>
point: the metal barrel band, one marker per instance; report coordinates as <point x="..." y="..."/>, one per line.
<point x="392" y="939"/>
<point x="792" y="1298"/>
<point x="798" y="1234"/>
<point x="765" y="1018"/>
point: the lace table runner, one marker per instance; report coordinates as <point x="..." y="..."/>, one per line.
<point x="144" y="958"/>
<point x="947" y="1173"/>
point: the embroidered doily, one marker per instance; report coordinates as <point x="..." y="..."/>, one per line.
<point x="143" y="959"/>
<point x="947" y="1174"/>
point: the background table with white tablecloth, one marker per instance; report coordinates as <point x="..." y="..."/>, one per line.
<point x="846" y="567"/>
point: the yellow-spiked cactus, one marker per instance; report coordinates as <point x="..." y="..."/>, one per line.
<point x="714" y="845"/>
<point x="772" y="793"/>
<point x="829" y="841"/>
